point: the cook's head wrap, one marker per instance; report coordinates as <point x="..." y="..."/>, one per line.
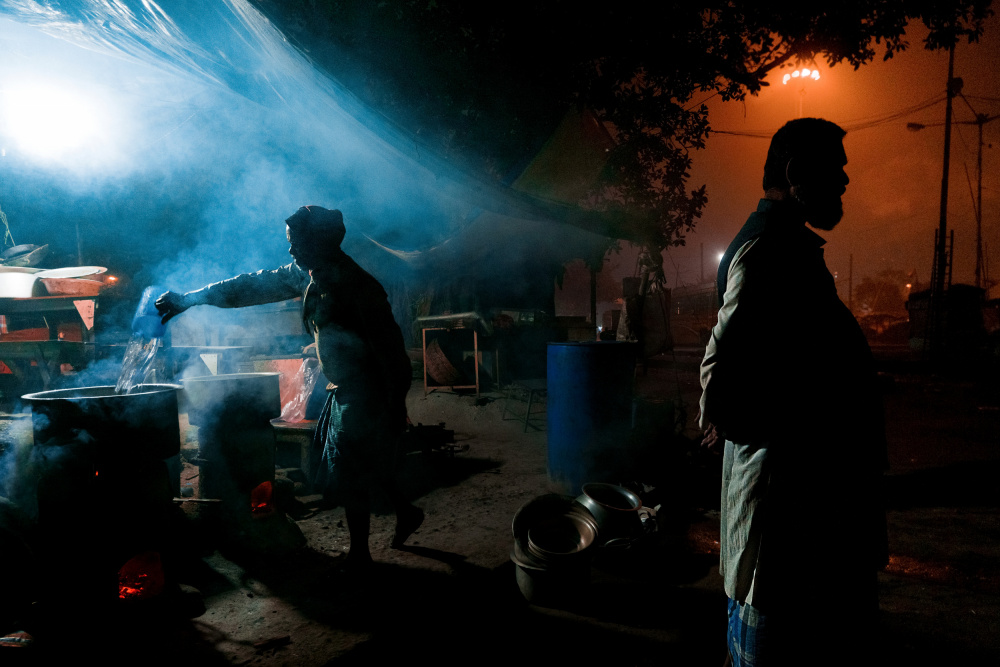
<point x="318" y="226"/>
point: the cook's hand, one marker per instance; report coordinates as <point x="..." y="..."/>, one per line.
<point x="310" y="350"/>
<point x="710" y="439"/>
<point x="171" y="304"/>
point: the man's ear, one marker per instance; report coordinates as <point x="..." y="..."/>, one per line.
<point x="794" y="171"/>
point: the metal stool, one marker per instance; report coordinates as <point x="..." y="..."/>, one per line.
<point x="528" y="390"/>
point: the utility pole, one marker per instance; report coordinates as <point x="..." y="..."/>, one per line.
<point x="940" y="250"/>
<point x="850" y="283"/>
<point x="980" y="121"/>
<point x="982" y="271"/>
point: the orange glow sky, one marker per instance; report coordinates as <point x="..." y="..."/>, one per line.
<point x="892" y="206"/>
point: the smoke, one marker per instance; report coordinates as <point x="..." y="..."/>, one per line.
<point x="205" y="130"/>
<point x="211" y="130"/>
<point x="17" y="465"/>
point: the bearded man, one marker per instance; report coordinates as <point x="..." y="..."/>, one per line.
<point x="789" y="386"/>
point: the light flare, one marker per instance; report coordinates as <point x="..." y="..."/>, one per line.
<point x="53" y="122"/>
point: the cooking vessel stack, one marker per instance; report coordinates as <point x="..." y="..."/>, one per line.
<point x="554" y="540"/>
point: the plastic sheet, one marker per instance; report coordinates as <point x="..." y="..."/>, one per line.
<point x="296" y="390"/>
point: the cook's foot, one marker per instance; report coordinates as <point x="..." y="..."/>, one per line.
<point x="407" y="523"/>
<point x="355" y="563"/>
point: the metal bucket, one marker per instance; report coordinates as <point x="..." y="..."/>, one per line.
<point x="142" y="424"/>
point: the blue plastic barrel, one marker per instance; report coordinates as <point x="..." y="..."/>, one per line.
<point x="589" y="408"/>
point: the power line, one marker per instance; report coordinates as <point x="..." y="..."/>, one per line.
<point x="896" y="115"/>
<point x="860" y="124"/>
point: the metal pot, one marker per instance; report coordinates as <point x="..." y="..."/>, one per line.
<point x="614" y="508"/>
<point x="232" y="397"/>
<point x="551" y="586"/>
<point x="562" y="536"/>
<point x="18" y="282"/>
<point x="142" y="424"/>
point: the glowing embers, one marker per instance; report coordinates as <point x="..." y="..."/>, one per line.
<point x="262" y="500"/>
<point x="142" y="577"/>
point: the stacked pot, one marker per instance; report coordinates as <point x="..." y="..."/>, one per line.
<point x="554" y="538"/>
<point x="615" y="510"/>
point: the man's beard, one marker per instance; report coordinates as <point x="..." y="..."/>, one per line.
<point x="821" y="212"/>
<point x="827" y="217"/>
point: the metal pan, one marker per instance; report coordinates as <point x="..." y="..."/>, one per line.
<point x="25" y="254"/>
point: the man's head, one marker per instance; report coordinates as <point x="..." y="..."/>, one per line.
<point x="314" y="235"/>
<point x="805" y="162"/>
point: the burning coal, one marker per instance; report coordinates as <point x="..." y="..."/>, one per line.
<point x="142" y="577"/>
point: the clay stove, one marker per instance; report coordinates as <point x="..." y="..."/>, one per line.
<point x="108" y="469"/>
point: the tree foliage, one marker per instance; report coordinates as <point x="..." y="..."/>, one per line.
<point x="486" y="82"/>
<point x="885" y="293"/>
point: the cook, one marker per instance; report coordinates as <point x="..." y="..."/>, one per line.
<point x="362" y="354"/>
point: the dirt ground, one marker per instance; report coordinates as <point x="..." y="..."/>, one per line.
<point x="450" y="595"/>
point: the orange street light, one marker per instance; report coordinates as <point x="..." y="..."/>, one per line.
<point x="803" y="74"/>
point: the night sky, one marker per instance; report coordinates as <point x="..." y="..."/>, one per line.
<point x="892" y="205"/>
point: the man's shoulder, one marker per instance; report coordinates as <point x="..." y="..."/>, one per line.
<point x="359" y="278"/>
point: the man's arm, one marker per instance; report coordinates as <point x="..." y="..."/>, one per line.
<point x="740" y="370"/>
<point x="248" y="289"/>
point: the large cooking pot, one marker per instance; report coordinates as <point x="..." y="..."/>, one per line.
<point x="233" y="397"/>
<point x="141" y="424"/>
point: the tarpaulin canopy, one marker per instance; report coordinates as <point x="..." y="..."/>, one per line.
<point x="221" y="128"/>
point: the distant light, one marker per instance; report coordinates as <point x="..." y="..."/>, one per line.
<point x="51" y="122"/>
<point x="804" y="73"/>
<point x="909" y="286"/>
<point x="721" y="255"/>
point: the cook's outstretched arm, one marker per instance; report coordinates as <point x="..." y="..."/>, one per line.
<point x="248" y="289"/>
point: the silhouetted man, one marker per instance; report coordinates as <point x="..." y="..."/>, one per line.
<point x="362" y="354"/>
<point x="788" y="382"/>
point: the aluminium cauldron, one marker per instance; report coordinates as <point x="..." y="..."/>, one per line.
<point x="233" y="397"/>
<point x="236" y="445"/>
<point x="141" y="424"/>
